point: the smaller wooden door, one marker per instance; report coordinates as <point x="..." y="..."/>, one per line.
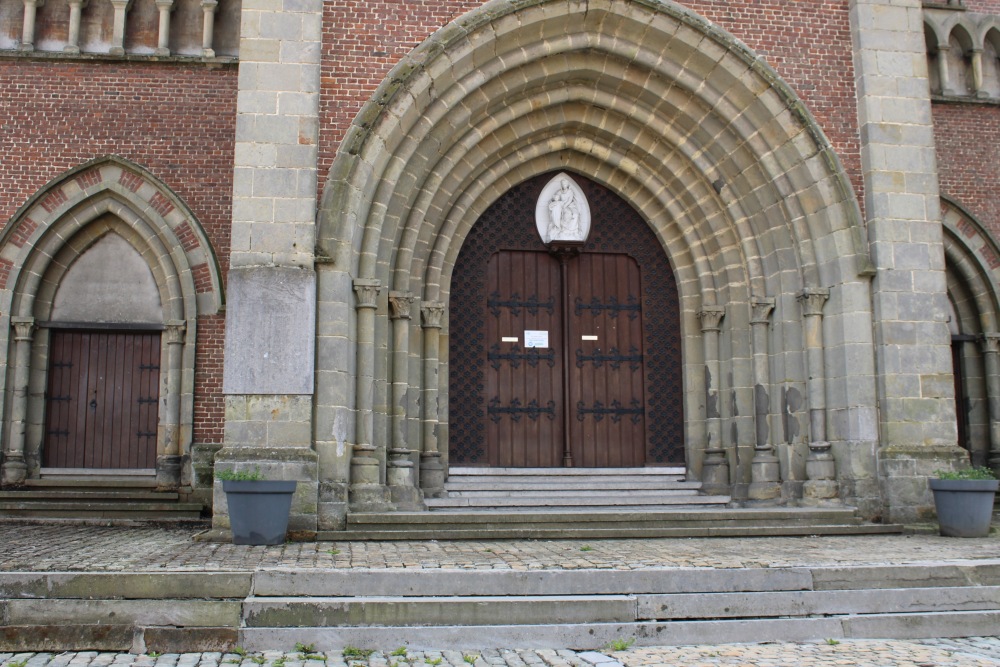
<point x="102" y="399"/>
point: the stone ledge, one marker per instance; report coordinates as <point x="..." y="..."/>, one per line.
<point x="223" y="61"/>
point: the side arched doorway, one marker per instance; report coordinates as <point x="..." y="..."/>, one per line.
<point x="571" y="361"/>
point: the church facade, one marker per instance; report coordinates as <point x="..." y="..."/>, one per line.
<point x="358" y="244"/>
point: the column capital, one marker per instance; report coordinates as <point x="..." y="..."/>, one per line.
<point x="164" y="4"/>
<point x="210" y="5"/>
<point x="175" y="331"/>
<point x="813" y="299"/>
<point x="761" y="309"/>
<point x="990" y="343"/>
<point x="366" y="290"/>
<point x="432" y="313"/>
<point x="711" y="317"/>
<point x="24" y="327"/>
<point x="400" y="304"/>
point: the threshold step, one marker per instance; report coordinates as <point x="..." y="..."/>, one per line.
<point x="576" y="501"/>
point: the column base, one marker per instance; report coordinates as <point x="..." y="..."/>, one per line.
<point x="14" y="472"/>
<point x="432" y="475"/>
<point x="405" y="496"/>
<point x="715" y="473"/>
<point x="168" y="472"/>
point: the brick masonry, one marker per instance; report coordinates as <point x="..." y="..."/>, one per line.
<point x="175" y="120"/>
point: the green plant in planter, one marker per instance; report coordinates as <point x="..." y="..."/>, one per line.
<point x="963" y="500"/>
<point x="979" y="472"/>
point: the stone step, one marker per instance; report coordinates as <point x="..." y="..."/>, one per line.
<point x="466" y="471"/>
<point x="570" y="484"/>
<point x="575" y="500"/>
<point x="618" y="532"/>
<point x="92" y="482"/>
<point x="645" y="633"/>
<point x="103" y="509"/>
<point x="89" y="494"/>
<point x="473" y="610"/>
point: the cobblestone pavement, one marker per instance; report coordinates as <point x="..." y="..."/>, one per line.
<point x="62" y="547"/>
<point x="969" y="652"/>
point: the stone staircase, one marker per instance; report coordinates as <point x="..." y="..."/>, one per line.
<point x="268" y="609"/>
<point x="94" y="498"/>
<point x="519" y="503"/>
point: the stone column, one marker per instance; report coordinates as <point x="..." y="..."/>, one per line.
<point x="977" y="74"/>
<point x="431" y="468"/>
<point x="912" y="343"/>
<point x="366" y="492"/>
<point x="76" y="8"/>
<point x="991" y="352"/>
<point x="400" y="473"/>
<point x="168" y="461"/>
<point x="15" y="470"/>
<point x="208" y="8"/>
<point x="28" y="27"/>
<point x="821" y="469"/>
<point x="765" y="475"/>
<point x="715" y="466"/>
<point x="943" y="74"/>
<point x="163" y="37"/>
<point x="118" y="27"/>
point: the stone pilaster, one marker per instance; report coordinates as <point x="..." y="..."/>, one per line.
<point x="401" y="472"/>
<point x="715" y="466"/>
<point x="164" y="7"/>
<point x="28" y="24"/>
<point x="366" y="492"/>
<point x="121" y="8"/>
<point x="168" y="460"/>
<point x="208" y="8"/>
<point x="15" y="470"/>
<point x="912" y="342"/>
<point x="821" y="469"/>
<point x="431" y="468"/>
<point x="76" y="8"/>
<point x="991" y="353"/>
<point x="765" y="476"/>
<point x="270" y="358"/>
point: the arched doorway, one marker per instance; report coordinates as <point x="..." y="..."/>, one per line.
<point x="573" y="361"/>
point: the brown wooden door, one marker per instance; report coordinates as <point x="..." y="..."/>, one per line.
<point x="102" y="399"/>
<point x="530" y="405"/>
<point x="606" y="399"/>
<point x="524" y="426"/>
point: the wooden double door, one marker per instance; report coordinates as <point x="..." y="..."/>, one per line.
<point x="102" y="399"/>
<point x="564" y="378"/>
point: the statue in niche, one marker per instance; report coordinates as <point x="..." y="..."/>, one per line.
<point x="562" y="212"/>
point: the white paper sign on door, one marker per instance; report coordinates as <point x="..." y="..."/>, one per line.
<point x="536" y="338"/>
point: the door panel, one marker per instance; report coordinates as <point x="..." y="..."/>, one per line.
<point x="102" y="402"/>
<point x="606" y="376"/>
<point x="523" y="385"/>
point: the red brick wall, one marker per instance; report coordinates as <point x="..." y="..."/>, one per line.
<point x="967" y="137"/>
<point x="177" y="121"/>
<point x="983" y="6"/>
<point x="807" y="42"/>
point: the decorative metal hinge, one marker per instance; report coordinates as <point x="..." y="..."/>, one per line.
<point x="614" y="357"/>
<point x="616" y="411"/>
<point x="496" y="410"/>
<point x="515" y="304"/>
<point x="613" y="306"/>
<point x="517" y="355"/>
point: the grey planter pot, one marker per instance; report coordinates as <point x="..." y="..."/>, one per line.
<point x="258" y="511"/>
<point x="964" y="506"/>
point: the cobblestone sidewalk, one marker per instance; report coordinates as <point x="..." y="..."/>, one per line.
<point x="970" y="652"/>
<point x="54" y="547"/>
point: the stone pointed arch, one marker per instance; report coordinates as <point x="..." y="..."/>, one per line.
<point x="102" y="199"/>
<point x="972" y="271"/>
<point x="720" y="157"/>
